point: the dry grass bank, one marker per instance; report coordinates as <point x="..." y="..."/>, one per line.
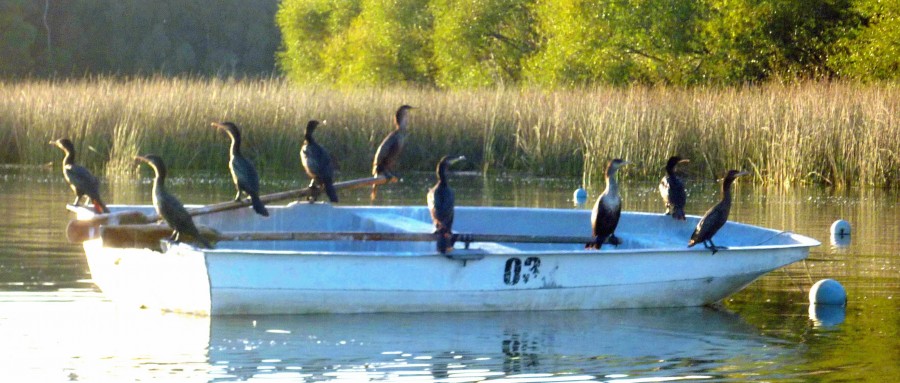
<point x="834" y="133"/>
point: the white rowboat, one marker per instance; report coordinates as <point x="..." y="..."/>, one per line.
<point x="651" y="268"/>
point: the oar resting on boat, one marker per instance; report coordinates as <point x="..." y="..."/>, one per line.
<point x="82" y="230"/>
<point x="149" y="235"/>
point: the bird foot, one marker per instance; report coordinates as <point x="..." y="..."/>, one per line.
<point x="613" y="240"/>
<point x="715" y="248"/>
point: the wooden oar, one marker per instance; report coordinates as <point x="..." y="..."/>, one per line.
<point x="149" y="235"/>
<point x="81" y="230"/>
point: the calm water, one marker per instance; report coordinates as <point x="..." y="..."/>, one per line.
<point x="56" y="326"/>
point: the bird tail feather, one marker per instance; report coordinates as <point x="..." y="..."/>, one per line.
<point x="444" y="241"/>
<point x="331" y="191"/>
<point x="258" y="206"/>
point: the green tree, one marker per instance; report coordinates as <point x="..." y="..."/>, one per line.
<point x="387" y="43"/>
<point x="870" y="50"/>
<point x="308" y="28"/>
<point x="18" y="36"/>
<point x="480" y="42"/>
<point x="616" y="42"/>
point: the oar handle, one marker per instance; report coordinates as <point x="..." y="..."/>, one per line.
<point x="81" y="230"/>
<point x="282" y="196"/>
<point x="148" y="235"/>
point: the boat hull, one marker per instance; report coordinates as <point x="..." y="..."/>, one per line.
<point x="283" y="278"/>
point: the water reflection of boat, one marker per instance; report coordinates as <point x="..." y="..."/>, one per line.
<point x="581" y="345"/>
<point x="651" y="268"/>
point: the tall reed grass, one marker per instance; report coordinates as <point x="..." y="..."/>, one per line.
<point x="819" y="132"/>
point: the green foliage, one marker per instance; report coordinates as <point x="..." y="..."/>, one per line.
<point x="310" y="29"/>
<point x="360" y="42"/>
<point x="480" y="43"/>
<point x="18" y="36"/>
<point x="870" y="50"/>
<point x="210" y="37"/>
<point x="565" y="43"/>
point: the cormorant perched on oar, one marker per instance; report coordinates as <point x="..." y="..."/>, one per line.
<point x="388" y="153"/>
<point x="440" y="204"/>
<point x="672" y="190"/>
<point x="82" y="182"/>
<point x="608" y="209"/>
<point x="716" y="217"/>
<point x="317" y="163"/>
<point x="243" y="174"/>
<point x="169" y="207"/>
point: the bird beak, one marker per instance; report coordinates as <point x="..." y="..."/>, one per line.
<point x="216" y="125"/>
<point x="139" y="159"/>
<point x="457" y="159"/>
<point x="741" y="174"/>
<point x="684" y="161"/>
<point x="323" y="122"/>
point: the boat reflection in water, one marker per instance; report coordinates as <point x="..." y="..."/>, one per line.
<point x="632" y="345"/>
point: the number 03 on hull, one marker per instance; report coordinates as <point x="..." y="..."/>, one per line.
<point x="651" y="268"/>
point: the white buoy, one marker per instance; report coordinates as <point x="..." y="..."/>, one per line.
<point x="840" y="241"/>
<point x="828" y="292"/>
<point x="827" y="315"/>
<point x="840" y="228"/>
<point x="580" y="196"/>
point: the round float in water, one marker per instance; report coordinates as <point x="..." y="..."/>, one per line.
<point x="580" y="196"/>
<point x="840" y="228"/>
<point x="827" y="315"/>
<point x="828" y="292"/>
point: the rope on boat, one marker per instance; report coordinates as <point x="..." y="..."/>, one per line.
<point x="774" y="236"/>
<point x="791" y="277"/>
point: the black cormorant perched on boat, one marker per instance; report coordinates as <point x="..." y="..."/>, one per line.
<point x="672" y="190"/>
<point x="388" y="153"/>
<point x="169" y="207"/>
<point x="317" y="163"/>
<point x="82" y="182"/>
<point x="716" y="217"/>
<point x="606" y="212"/>
<point x="243" y="174"/>
<point x="440" y="204"/>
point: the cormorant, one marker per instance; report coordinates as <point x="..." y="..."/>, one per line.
<point x="317" y="163"/>
<point x="440" y="204"/>
<point x="606" y="212"/>
<point x="243" y="174"/>
<point x="82" y="182"/>
<point x="169" y="207"/>
<point x="388" y="153"/>
<point x="716" y="217"/>
<point x="672" y="190"/>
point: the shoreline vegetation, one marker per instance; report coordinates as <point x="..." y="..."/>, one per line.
<point x="833" y="133"/>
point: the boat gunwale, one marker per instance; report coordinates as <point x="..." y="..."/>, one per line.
<point x="802" y="241"/>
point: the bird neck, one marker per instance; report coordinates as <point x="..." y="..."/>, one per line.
<point x="235" y="146"/>
<point x="401" y="122"/>
<point x="670" y="171"/>
<point x="69" y="159"/>
<point x="726" y="191"/>
<point x="309" y="137"/>
<point x="612" y="185"/>
<point x="159" y="181"/>
<point x="442" y="174"/>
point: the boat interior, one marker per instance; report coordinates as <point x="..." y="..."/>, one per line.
<point x="637" y="231"/>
